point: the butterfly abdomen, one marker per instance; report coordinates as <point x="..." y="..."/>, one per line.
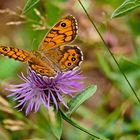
<point x="15" y="53"/>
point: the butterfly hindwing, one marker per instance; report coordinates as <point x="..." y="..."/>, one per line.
<point x="73" y="57"/>
<point x="65" y="57"/>
<point x="41" y="70"/>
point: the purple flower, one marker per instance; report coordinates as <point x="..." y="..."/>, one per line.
<point x="37" y="90"/>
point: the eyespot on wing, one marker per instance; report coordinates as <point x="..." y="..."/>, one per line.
<point x="72" y="57"/>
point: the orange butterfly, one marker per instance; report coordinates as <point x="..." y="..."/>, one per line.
<point x="52" y="56"/>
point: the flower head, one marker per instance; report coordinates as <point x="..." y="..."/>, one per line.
<point x="37" y="90"/>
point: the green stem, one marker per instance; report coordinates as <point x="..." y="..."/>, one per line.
<point x="70" y="121"/>
<point x="106" y="46"/>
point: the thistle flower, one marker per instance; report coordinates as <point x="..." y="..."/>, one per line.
<point x="37" y="90"/>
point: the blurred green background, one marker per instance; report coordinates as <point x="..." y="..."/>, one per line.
<point x="113" y="111"/>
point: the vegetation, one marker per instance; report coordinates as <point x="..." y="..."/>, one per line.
<point x="108" y="108"/>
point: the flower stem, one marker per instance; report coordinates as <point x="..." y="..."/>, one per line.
<point x="70" y="121"/>
<point x="106" y="46"/>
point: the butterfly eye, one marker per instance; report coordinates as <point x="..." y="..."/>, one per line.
<point x="63" y="24"/>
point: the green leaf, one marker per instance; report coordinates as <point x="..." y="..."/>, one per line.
<point x="129" y="65"/>
<point x="138" y="138"/>
<point x="29" y="5"/>
<point x="126" y="7"/>
<point x="56" y="123"/>
<point x="75" y="102"/>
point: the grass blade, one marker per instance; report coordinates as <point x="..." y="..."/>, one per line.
<point x="29" y="5"/>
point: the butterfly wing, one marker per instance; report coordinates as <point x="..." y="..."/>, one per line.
<point x="15" y="53"/>
<point x="43" y="70"/>
<point x="25" y="56"/>
<point x="63" y="32"/>
<point x="65" y="57"/>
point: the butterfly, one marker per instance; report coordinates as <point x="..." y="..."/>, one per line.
<point x="54" y="55"/>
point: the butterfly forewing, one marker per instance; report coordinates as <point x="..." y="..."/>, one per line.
<point x="15" y="53"/>
<point x="63" y="32"/>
